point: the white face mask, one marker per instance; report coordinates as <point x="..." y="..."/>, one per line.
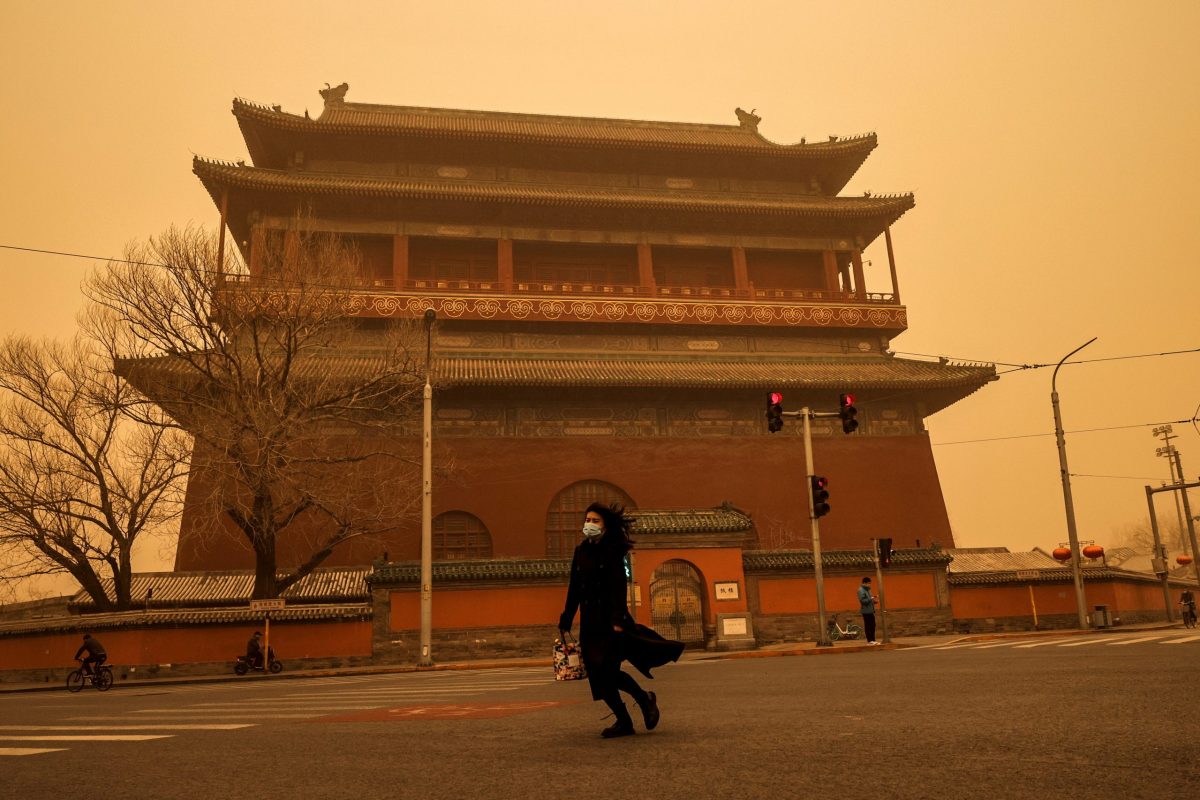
<point x="591" y="530"/>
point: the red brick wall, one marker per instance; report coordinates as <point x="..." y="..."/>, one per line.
<point x="190" y="645"/>
<point x="881" y="483"/>
<point x="799" y="595"/>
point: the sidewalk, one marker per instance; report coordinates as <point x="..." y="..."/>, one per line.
<point x="806" y="648"/>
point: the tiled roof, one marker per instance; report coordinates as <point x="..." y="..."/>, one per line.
<point x="767" y="560"/>
<point x="191" y="589"/>
<point x="371" y="119"/>
<point x="491" y="569"/>
<point x="642" y="370"/>
<point x="93" y="623"/>
<point x="966" y="561"/>
<point x="666" y="371"/>
<point x="1058" y="574"/>
<point x="701" y="520"/>
<point x="218" y="174"/>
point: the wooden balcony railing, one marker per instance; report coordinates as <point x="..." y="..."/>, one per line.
<point x="624" y="291"/>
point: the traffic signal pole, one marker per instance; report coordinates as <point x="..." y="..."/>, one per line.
<point x="818" y="575"/>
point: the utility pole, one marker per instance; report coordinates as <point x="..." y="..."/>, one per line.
<point x="1179" y="487"/>
<point x="426" y="659"/>
<point x="1159" y="561"/>
<point x="818" y="575"/>
<point x="1072" y="534"/>
<point x="1168" y="451"/>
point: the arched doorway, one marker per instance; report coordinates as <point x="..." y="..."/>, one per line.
<point x="677" y="602"/>
<point x="564" y="518"/>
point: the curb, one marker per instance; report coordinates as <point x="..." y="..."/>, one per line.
<point x="809" y="649"/>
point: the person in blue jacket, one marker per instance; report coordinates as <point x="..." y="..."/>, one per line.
<point x="867" y="603"/>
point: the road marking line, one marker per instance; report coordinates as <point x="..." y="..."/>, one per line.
<point x="990" y="646"/>
<point x="1181" y="641"/>
<point x="1041" y="644"/>
<point x="235" y="709"/>
<point x="229" y="726"/>
<point x="228" y="715"/>
<point x="29" y="751"/>
<point x="90" y="737"/>
<point x="1134" y="641"/>
<point x="957" y="646"/>
<point x="1085" y="641"/>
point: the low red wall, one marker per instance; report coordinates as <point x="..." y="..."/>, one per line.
<point x="799" y="595"/>
<point x="190" y="645"/>
<point x="1013" y="600"/>
<point x="480" y="608"/>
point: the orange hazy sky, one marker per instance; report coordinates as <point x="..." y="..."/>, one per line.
<point x="1051" y="147"/>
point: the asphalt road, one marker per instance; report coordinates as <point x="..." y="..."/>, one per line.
<point x="1100" y="716"/>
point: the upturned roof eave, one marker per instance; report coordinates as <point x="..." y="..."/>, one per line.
<point x="218" y="175"/>
<point x="260" y="121"/>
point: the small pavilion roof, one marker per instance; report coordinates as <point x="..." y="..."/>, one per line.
<point x="234" y="587"/>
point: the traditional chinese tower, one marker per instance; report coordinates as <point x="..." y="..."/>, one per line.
<point x="614" y="301"/>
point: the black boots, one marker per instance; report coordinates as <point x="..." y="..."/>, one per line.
<point x="649" y="706"/>
<point x="622" y="727"/>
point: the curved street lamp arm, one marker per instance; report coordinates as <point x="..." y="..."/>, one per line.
<point x="1054" y="377"/>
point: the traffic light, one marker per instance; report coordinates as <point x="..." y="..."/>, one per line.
<point x="774" y="412"/>
<point x="885" y="552"/>
<point x="819" y="495"/>
<point x="847" y="412"/>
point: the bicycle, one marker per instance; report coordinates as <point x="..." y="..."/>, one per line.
<point x="1189" y="615"/>
<point x="836" y="631"/>
<point x="101" y="678"/>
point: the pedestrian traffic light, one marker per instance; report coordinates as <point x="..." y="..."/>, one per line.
<point x="774" y="412"/>
<point x="819" y="495"/>
<point x="885" y="552"/>
<point x="847" y="412"/>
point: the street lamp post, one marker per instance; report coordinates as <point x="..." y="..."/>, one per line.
<point x="426" y="659"/>
<point x="1072" y="534"/>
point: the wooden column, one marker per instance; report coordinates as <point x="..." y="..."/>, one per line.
<point x="741" y="273"/>
<point x="887" y="236"/>
<point x="645" y="259"/>
<point x="860" y="282"/>
<point x="831" y="270"/>
<point x="258" y="242"/>
<point x="221" y="240"/>
<point x="291" y="247"/>
<point x="400" y="262"/>
<point x="504" y="263"/>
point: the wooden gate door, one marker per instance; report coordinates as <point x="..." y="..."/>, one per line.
<point x="676" y="602"/>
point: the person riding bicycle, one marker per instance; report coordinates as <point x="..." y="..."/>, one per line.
<point x="1188" y="601"/>
<point x="96" y="653"/>
<point x="254" y="650"/>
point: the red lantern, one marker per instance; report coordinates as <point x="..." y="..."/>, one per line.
<point x="1062" y="553"/>
<point x="1183" y="560"/>
<point x="1093" y="551"/>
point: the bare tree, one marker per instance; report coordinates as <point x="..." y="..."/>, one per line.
<point x="294" y="405"/>
<point x="80" y="480"/>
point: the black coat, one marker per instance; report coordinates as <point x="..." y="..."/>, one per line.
<point x="598" y="591"/>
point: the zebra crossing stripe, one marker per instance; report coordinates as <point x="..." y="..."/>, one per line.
<point x="1181" y="641"/>
<point x="229" y="726"/>
<point x="1134" y="641"/>
<point x="1084" y="642"/>
<point x="1041" y="644"/>
<point x="28" y="751"/>
<point x="88" y="737"/>
<point x="228" y="715"/>
<point x="992" y="646"/>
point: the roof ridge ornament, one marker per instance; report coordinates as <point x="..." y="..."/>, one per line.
<point x="334" y="95"/>
<point x="748" y="119"/>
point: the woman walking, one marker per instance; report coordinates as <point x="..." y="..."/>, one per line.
<point x="607" y="632"/>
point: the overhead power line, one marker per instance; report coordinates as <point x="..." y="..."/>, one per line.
<point x="1051" y="433"/>
<point x="1013" y="366"/>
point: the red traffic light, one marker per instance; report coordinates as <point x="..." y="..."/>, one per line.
<point x="846" y="400"/>
<point x="776" y="398"/>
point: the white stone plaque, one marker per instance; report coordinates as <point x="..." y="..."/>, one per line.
<point x="733" y="626"/>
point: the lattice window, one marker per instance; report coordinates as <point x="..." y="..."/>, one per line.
<point x="564" y="519"/>
<point x="458" y="536"/>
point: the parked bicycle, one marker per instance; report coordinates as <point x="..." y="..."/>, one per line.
<point x="836" y="631"/>
<point x="101" y="678"/>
